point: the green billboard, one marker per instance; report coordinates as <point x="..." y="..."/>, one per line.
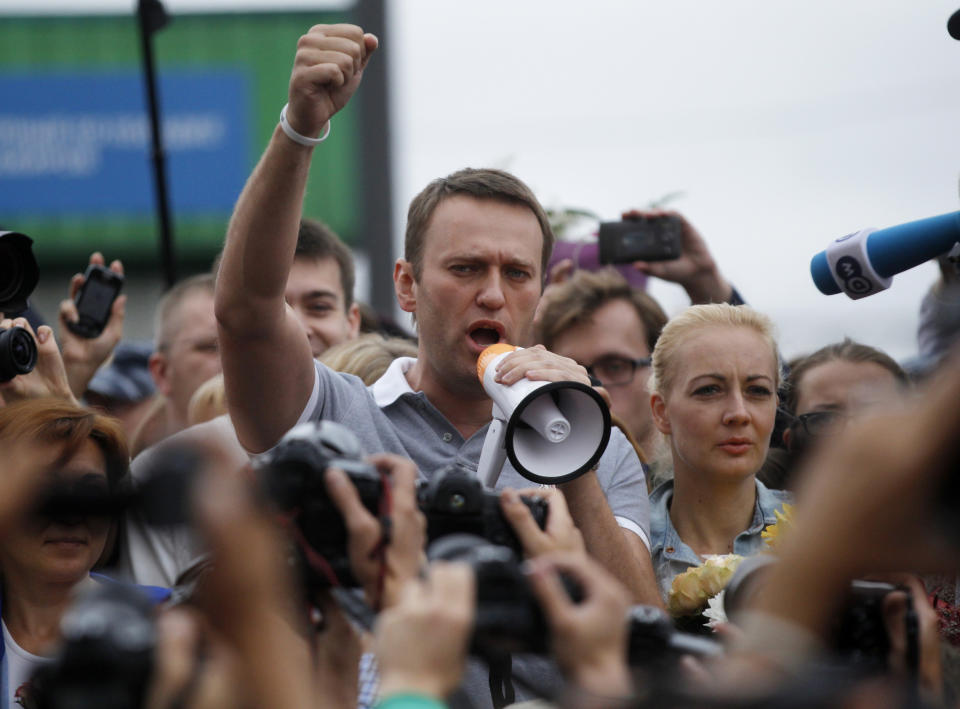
<point x="75" y="164"/>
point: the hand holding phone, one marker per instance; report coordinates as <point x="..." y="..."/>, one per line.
<point x="649" y="238"/>
<point x="94" y="301"/>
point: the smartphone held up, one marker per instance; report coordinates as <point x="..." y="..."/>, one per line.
<point x="94" y="300"/>
<point x="657" y="238"/>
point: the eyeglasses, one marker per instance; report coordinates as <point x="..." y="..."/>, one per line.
<point x="818" y="423"/>
<point x="616" y="371"/>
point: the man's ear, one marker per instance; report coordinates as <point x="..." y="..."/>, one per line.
<point x="787" y="437"/>
<point x="405" y="285"/>
<point x="157" y="364"/>
<point x="658" y="408"/>
<point x="353" y="321"/>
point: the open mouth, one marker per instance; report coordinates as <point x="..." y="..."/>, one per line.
<point x="485" y="336"/>
<point x="483" y="333"/>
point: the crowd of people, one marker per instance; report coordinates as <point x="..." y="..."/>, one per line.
<point x="266" y="476"/>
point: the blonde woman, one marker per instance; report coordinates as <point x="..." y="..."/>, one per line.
<point x="714" y="396"/>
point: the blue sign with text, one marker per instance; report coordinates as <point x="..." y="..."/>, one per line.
<point x="79" y="143"/>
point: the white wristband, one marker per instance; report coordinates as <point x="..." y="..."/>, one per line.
<point x="296" y="137"/>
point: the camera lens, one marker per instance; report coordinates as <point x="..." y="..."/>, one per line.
<point x="21" y="351"/>
<point x="19" y="272"/>
<point x="18" y="353"/>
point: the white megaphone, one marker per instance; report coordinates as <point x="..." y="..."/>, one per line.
<point x="551" y="431"/>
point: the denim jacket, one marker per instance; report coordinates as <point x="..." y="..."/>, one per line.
<point x="672" y="556"/>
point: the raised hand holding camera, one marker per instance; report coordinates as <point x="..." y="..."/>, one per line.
<point x="39" y="356"/>
<point x="588" y="635"/>
<point x="384" y="555"/>
<point x="559" y="534"/>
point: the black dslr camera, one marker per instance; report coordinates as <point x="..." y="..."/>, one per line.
<point x="106" y="658"/>
<point x="293" y="475"/>
<point x="455" y="502"/>
<point x="19" y="275"/>
<point x="858" y="634"/>
<point x="508" y="617"/>
<point x="19" y="272"/>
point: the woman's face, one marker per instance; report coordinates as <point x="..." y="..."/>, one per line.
<point x="59" y="550"/>
<point x="722" y="402"/>
<point x="839" y="389"/>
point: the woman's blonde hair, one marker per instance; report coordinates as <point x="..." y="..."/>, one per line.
<point x="368" y="356"/>
<point x="692" y="321"/>
<point x="208" y="402"/>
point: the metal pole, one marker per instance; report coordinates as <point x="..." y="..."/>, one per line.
<point x="375" y="160"/>
<point x="152" y="17"/>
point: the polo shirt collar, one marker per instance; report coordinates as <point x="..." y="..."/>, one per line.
<point x="393" y="384"/>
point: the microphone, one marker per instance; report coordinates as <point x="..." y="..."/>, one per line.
<point x="864" y="262"/>
<point x="953" y="25"/>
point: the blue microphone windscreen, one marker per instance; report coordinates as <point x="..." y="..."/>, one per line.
<point x="822" y="278"/>
<point x="899" y="248"/>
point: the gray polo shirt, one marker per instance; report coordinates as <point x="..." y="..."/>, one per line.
<point x="390" y="417"/>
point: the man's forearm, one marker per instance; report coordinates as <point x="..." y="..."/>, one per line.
<point x="262" y="236"/>
<point x="608" y="542"/>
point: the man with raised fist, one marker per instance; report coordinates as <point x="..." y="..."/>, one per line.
<point x="476" y="247"/>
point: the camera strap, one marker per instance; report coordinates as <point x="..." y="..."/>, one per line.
<point x="501" y="679"/>
<point x="912" y="639"/>
<point x="316" y="561"/>
<point x="379" y="551"/>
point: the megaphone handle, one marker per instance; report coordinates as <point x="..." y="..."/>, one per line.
<point x="493" y="454"/>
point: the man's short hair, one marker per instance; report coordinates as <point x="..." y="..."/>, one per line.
<point x="495" y="185"/>
<point x="317" y="241"/>
<point x="171" y="301"/>
<point x="574" y="302"/>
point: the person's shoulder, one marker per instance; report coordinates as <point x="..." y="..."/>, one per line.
<point x="618" y="450"/>
<point x="219" y="429"/>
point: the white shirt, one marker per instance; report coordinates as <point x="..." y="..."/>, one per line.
<point x="20" y="666"/>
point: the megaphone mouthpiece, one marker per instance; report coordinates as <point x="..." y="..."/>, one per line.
<point x="491" y="353"/>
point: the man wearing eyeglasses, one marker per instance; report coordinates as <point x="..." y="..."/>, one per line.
<point x="610" y="327"/>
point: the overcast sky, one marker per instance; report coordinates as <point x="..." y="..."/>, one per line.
<point x="785" y="123"/>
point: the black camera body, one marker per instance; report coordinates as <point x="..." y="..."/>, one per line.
<point x="107" y="656"/>
<point x="455" y="502"/>
<point x="508" y="618"/>
<point x="293" y="473"/>
<point x="645" y="239"/>
<point x="19" y="273"/>
<point x="655" y="643"/>
<point x="859" y="633"/>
